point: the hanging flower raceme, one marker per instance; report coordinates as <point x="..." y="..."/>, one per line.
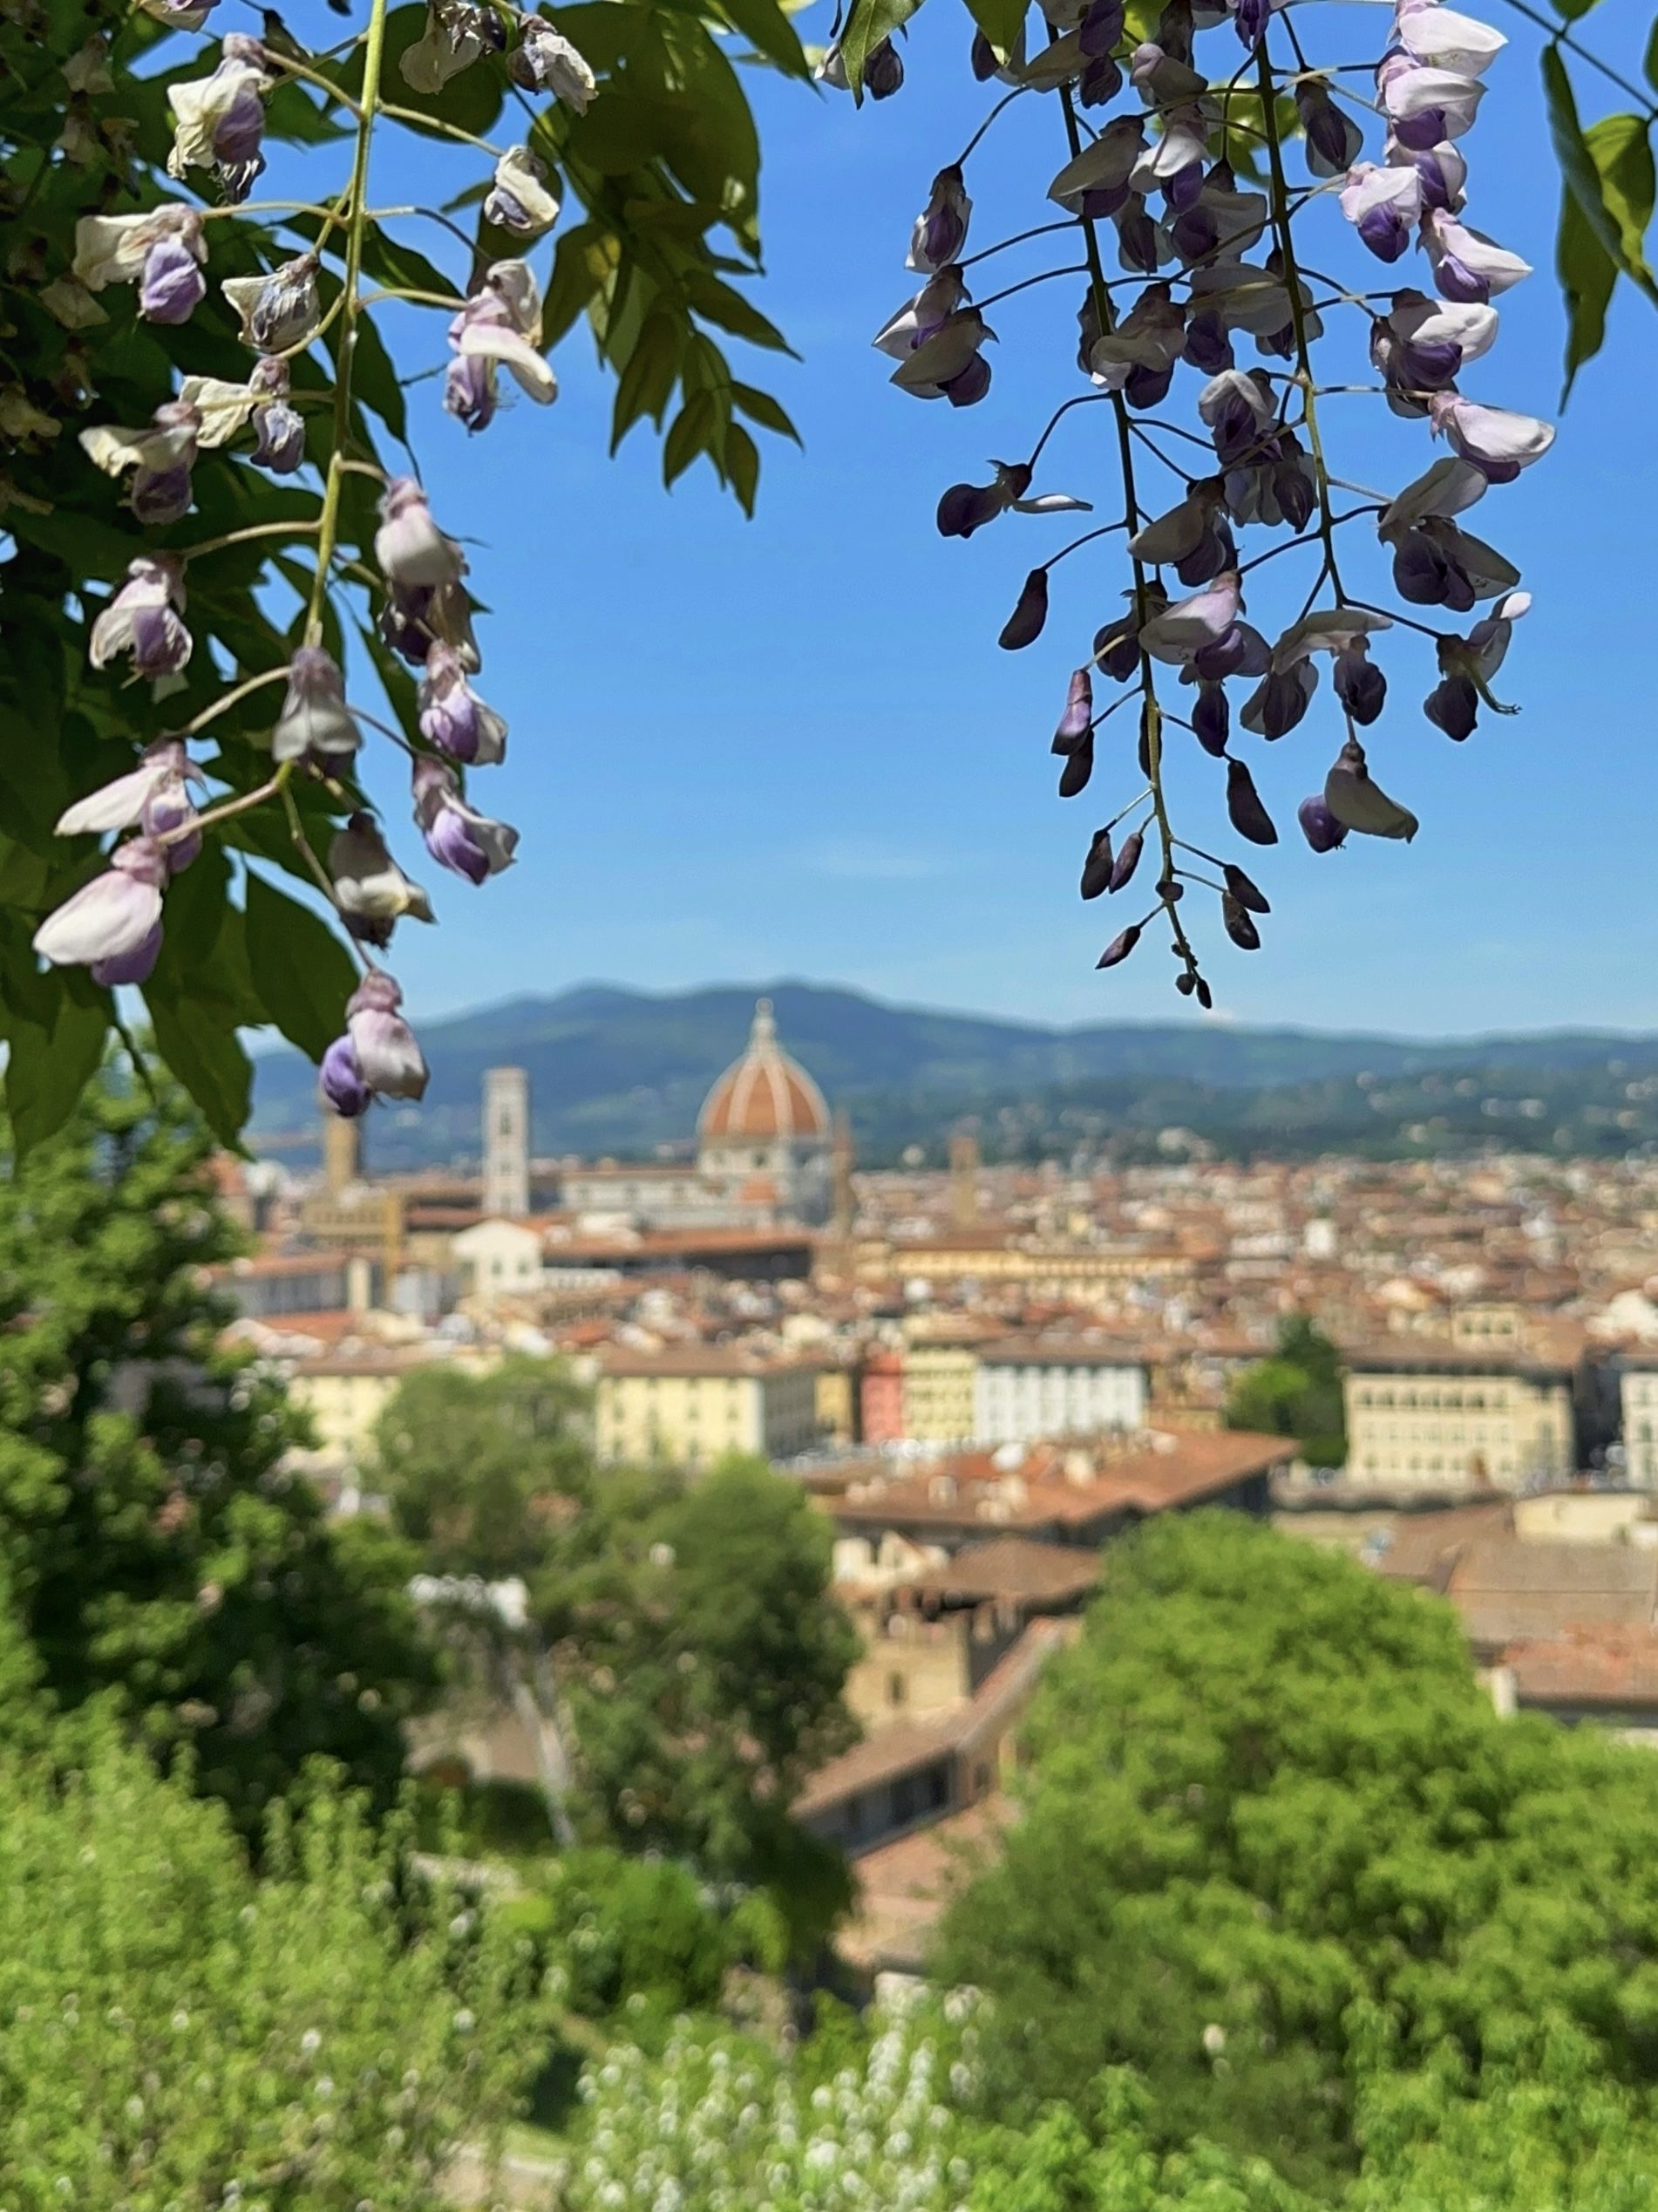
<point x="519" y="200"/>
<point x="144" y="621"/>
<point x="377" y="1057"/>
<point x="370" y="890"/>
<point x="160" y="458"/>
<point x="162" y="251"/>
<point x="111" y="925"/>
<point x="545" y="61"/>
<point x="500" y="327"/>
<point x="219" y="121"/>
<point x="458" y="838"/>
<point x="452" y="715"/>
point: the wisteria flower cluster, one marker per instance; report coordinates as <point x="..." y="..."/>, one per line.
<point x="1174" y="179"/>
<point x="722" y="2125"/>
<point x="160" y="811"/>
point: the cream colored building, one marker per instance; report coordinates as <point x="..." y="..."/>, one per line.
<point x="345" y="1395"/>
<point x="1442" y="1418"/>
<point x="1638" y="1398"/>
<point x="694" y="1403"/>
<point x="940" y="1380"/>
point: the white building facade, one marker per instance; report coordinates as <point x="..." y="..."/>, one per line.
<point x="1022" y="1393"/>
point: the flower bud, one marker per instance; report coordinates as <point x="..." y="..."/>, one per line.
<point x="883" y="71"/>
<point x="1453" y="706"/>
<point x="469" y="843"/>
<point x="1074" y="722"/>
<point x="1024" y="625"/>
<point x="1120" y="947"/>
<point x="370" y="890"/>
<point x="1212" y="718"/>
<point x="1360" y="684"/>
<point x="388" y="1059"/>
<point x="1097" y="868"/>
<point x="412" y="552"/>
<point x="1319" y="827"/>
<point x="1238" y="927"/>
<point x="172" y="286"/>
<point x="281" y="311"/>
<point x="544" y="60"/>
<point x="340" y="1080"/>
<point x="1079" y="766"/>
<point x="1248" y="817"/>
<point x="143" y="620"/>
<point x="1240" y="886"/>
<point x="941" y="229"/>
<point x="315" y="723"/>
<point x="1127" y="860"/>
<point x="111" y="918"/>
<point x="452" y="717"/>
<point x="1359" y="803"/>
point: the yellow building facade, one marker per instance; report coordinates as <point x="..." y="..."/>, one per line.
<point x="692" y="1407"/>
<point x="1449" y="1420"/>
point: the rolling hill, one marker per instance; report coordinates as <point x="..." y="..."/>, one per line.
<point x="623" y="1071"/>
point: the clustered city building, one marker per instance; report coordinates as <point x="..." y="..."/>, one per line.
<point x="984" y="1373"/>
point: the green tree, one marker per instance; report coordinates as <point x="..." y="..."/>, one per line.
<point x="702" y="1659"/>
<point x="176" y="2035"/>
<point x="1269" y="1800"/>
<point x="1297" y="1392"/>
<point x="478" y="1468"/>
<point x="155" y="1540"/>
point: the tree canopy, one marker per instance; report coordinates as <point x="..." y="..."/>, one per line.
<point x="1277" y="1846"/>
<point x="1297" y="1392"/>
<point x="156" y="1543"/>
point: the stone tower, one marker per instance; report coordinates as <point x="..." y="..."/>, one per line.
<point x="964" y="1178"/>
<point x="506" y="1143"/>
<point x="342" y="1153"/>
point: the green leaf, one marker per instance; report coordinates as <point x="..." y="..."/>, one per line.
<point x="1650" y="64"/>
<point x="1587" y="273"/>
<point x="646" y="384"/>
<point x="716" y="302"/>
<point x="301" y="971"/>
<point x="769" y="30"/>
<point x="1611" y="198"/>
<point x="1622" y="151"/>
<point x="688" y="434"/>
<point x="54" y="1024"/>
<point x="870" y="22"/>
<point x="1001" y="22"/>
<point x="199" y="1043"/>
<point x="742" y="467"/>
<point x="583" y="266"/>
<point x="759" y="406"/>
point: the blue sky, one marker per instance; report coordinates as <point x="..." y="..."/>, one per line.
<point x="792" y="746"/>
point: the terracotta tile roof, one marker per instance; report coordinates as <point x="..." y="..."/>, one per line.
<point x="1013" y="1567"/>
<point x="1507" y="1590"/>
<point x="1587" y="1667"/>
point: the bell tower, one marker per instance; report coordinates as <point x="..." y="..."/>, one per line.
<point x="506" y="1143"/>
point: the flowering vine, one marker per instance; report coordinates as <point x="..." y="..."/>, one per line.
<point x="264" y="630"/>
<point x="1172" y="170"/>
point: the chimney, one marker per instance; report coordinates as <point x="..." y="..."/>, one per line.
<point x="506" y="1143"/>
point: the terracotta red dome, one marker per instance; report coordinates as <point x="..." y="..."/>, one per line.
<point x="764" y="1096"/>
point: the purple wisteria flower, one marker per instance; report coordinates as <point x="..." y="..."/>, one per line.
<point x="279" y="313"/>
<point x="160" y="458"/>
<point x="456" y="34"/>
<point x="453" y="718"/>
<point x="967" y="508"/>
<point x="941" y="229"/>
<point x="315" y="724"/>
<point x="519" y="200"/>
<point x="1356" y="802"/>
<point x="160" y="777"/>
<point x="156" y="250"/>
<point x="110" y="921"/>
<point x="378" y="1056"/>
<point x="370" y="890"/>
<point x="143" y="620"/>
<point x="412" y="552"/>
<point x="457" y="837"/>
<point x="545" y="61"/>
<point x="500" y="327"/>
<point x="219" y="121"/>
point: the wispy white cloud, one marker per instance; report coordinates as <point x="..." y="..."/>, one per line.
<point x="876" y="859"/>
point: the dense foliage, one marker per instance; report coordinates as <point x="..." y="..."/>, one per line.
<point x="1297" y="1392"/>
<point x="1280" y="1856"/>
<point x="155" y="1543"/>
<point x="696" y="1654"/>
<point x="176" y="2036"/>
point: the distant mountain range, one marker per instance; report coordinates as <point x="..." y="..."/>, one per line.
<point x="624" y="1071"/>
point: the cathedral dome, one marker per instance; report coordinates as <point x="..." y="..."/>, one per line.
<point x="764" y="1096"/>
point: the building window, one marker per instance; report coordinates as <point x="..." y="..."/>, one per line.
<point x="897" y="1689"/>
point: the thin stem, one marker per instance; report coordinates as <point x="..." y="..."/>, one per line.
<point x="228" y="699"/>
<point x="272" y="207"/>
<point x="241" y="537"/>
<point x="357" y="203"/>
<point x="1105" y="530"/>
<point x="1043" y="276"/>
<point x="1561" y="37"/>
<point x="436" y="123"/>
<point x="1019" y="238"/>
<point x="243" y="803"/>
<point x="140" y="1066"/>
<point x="296" y="68"/>
<point x="320" y="875"/>
<point x="1086" y="399"/>
<point x="436" y="299"/>
<point x="1292" y="280"/>
<point x="1006" y="100"/>
<point x="1394" y="615"/>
